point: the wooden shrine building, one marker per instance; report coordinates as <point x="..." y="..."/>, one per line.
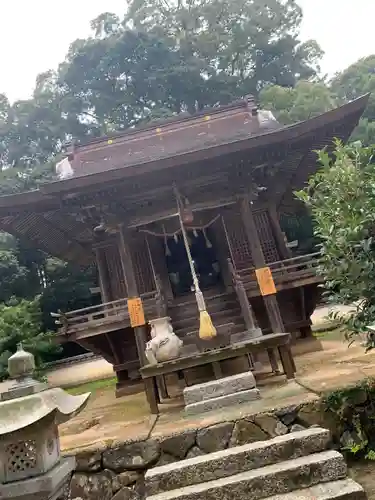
<point x="234" y="170"/>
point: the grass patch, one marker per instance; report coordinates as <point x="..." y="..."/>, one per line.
<point x="335" y="333"/>
<point x="96" y="385"/>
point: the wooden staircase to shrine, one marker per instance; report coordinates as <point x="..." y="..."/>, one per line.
<point x="223" y="307"/>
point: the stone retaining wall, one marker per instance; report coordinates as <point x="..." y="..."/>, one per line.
<point x="117" y="473"/>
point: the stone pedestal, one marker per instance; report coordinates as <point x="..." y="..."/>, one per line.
<point x="221" y="393"/>
<point x="49" y="486"/>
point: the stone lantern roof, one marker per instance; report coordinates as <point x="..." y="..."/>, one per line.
<point x="29" y="401"/>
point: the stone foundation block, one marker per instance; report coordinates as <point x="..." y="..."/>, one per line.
<point x="260" y="483"/>
<point x="217" y="388"/>
<point x="236" y="460"/>
<point x="337" y="490"/>
<point x="223" y="401"/>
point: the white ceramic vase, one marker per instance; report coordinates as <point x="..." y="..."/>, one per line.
<point x="164" y="344"/>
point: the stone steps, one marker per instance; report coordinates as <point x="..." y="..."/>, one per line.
<point x="257" y="484"/>
<point x="346" y="489"/>
<point x="222" y="387"/>
<point x="223" y="401"/>
<point x="295" y="466"/>
<point x="236" y="460"/>
<point x="217" y="394"/>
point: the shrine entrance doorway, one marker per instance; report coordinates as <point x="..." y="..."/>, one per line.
<point x="204" y="258"/>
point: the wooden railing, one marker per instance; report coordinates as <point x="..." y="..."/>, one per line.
<point x="155" y="303"/>
<point x="307" y="262"/>
<point x="301" y="262"/>
<point x="94" y="316"/>
<point x="284" y="272"/>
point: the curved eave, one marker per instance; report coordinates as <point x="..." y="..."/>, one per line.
<point x="29" y="200"/>
<point x="290" y="134"/>
<point x="32" y="228"/>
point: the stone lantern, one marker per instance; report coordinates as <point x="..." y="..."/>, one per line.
<point x="31" y="466"/>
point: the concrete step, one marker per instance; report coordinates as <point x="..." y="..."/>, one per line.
<point x="261" y="483"/>
<point x="222" y="402"/>
<point x="235" y="460"/>
<point x="346" y="489"/>
<point x="215" y="388"/>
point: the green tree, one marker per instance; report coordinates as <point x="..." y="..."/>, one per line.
<point x="254" y="42"/>
<point x="20" y="321"/>
<point x="117" y="81"/>
<point x="357" y="80"/>
<point x="16" y="274"/>
<point x="34" y="131"/>
<point x="67" y="288"/>
<point x="294" y="104"/>
<point x="341" y="198"/>
<point x="167" y="58"/>
<point x="105" y="24"/>
<point x="13" y="276"/>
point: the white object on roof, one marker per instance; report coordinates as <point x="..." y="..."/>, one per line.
<point x="265" y="116"/>
<point x="64" y="169"/>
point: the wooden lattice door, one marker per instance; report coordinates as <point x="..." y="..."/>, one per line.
<point x="143" y="268"/>
<point x="267" y="239"/>
<point x="239" y="248"/>
<point x="114" y="281"/>
<point x="238" y="241"/>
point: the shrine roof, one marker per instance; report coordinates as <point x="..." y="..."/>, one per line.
<point x="206" y="135"/>
<point x="154" y="156"/>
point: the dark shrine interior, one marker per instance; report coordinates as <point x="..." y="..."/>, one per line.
<point x="204" y="258"/>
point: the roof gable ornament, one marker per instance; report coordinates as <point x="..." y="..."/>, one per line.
<point x="64" y="169"/>
<point x="251" y="105"/>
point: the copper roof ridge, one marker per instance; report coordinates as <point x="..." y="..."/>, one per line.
<point x="279" y="134"/>
<point x="180" y="118"/>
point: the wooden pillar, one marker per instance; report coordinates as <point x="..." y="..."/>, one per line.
<point x="140" y="332"/>
<point x="270" y="301"/>
<point x="284" y="251"/>
<point x="103" y="277"/>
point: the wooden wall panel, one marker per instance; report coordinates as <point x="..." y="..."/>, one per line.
<point x="142" y="264"/>
<point x="110" y="258"/>
<point x="237" y="240"/>
<point x="239" y="247"/>
<point x="266" y="236"/>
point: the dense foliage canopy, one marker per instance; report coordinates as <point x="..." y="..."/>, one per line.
<point x="341" y="196"/>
